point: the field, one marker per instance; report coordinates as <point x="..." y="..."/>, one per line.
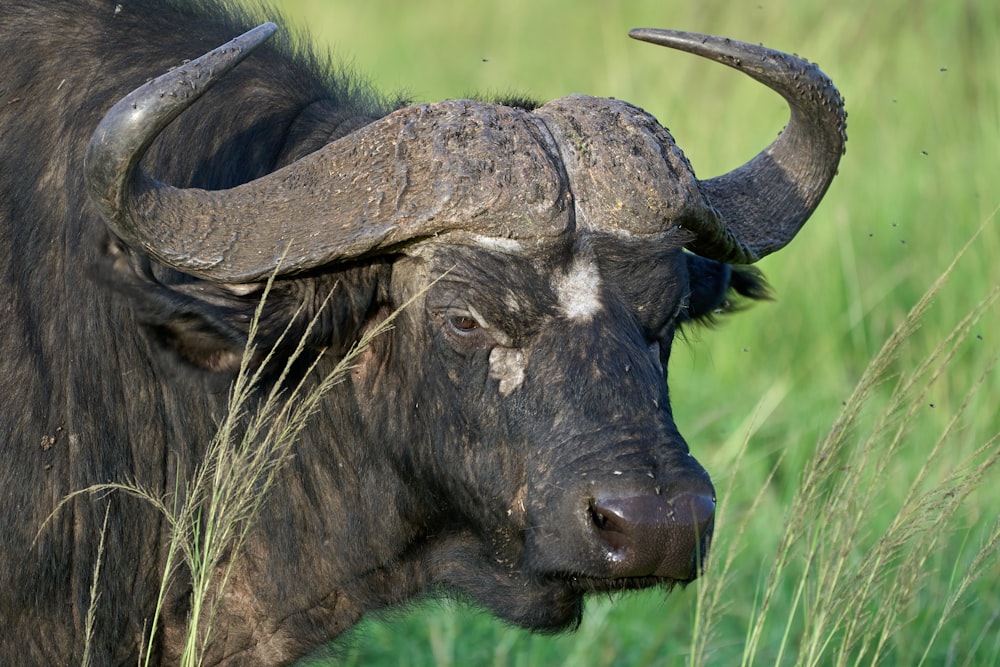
<point x="883" y="547"/>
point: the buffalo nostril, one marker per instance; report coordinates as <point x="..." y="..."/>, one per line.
<point x="651" y="535"/>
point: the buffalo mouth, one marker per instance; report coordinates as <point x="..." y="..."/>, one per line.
<point x="557" y="599"/>
<point x="587" y="583"/>
<point x="510" y="584"/>
<point x="580" y="583"/>
<point x="537" y="575"/>
<point x="590" y="585"/>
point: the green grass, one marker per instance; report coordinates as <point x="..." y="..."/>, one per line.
<point x="875" y="563"/>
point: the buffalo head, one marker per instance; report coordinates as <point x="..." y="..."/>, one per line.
<point x="551" y="255"/>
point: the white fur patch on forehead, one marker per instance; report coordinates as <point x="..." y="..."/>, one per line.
<point x="579" y="290"/>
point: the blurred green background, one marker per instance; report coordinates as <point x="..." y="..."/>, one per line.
<point x="921" y="176"/>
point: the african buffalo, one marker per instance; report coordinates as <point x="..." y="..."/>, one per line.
<point x="509" y="440"/>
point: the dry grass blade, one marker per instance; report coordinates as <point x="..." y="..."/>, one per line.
<point x="95" y="596"/>
<point x="984" y="555"/>
<point x="239" y="471"/>
<point x="850" y="596"/>
<point x="713" y="582"/>
<point x="211" y="514"/>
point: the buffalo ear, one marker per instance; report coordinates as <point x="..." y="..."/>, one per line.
<point x="210" y="332"/>
<point x="718" y="288"/>
<point x="208" y="324"/>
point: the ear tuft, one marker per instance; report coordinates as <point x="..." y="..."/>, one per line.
<point x="749" y="282"/>
<point x="718" y="288"/>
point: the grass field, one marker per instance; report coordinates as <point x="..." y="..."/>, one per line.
<point x="864" y="554"/>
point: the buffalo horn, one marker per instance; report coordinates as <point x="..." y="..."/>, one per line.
<point x="457" y="165"/>
<point x="113" y="178"/>
<point x="759" y="207"/>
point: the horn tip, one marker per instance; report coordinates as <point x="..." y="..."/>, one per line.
<point x="665" y="37"/>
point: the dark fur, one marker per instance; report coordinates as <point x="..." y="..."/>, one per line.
<point x="117" y="370"/>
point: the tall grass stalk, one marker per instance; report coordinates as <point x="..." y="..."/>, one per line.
<point x="710" y="598"/>
<point x="989" y="550"/>
<point x="210" y="515"/>
<point x="849" y="600"/>
<point x="240" y="467"/>
<point x="95" y="595"/>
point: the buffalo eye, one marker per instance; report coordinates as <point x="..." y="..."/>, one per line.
<point x="463" y="323"/>
<point x="466" y="329"/>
